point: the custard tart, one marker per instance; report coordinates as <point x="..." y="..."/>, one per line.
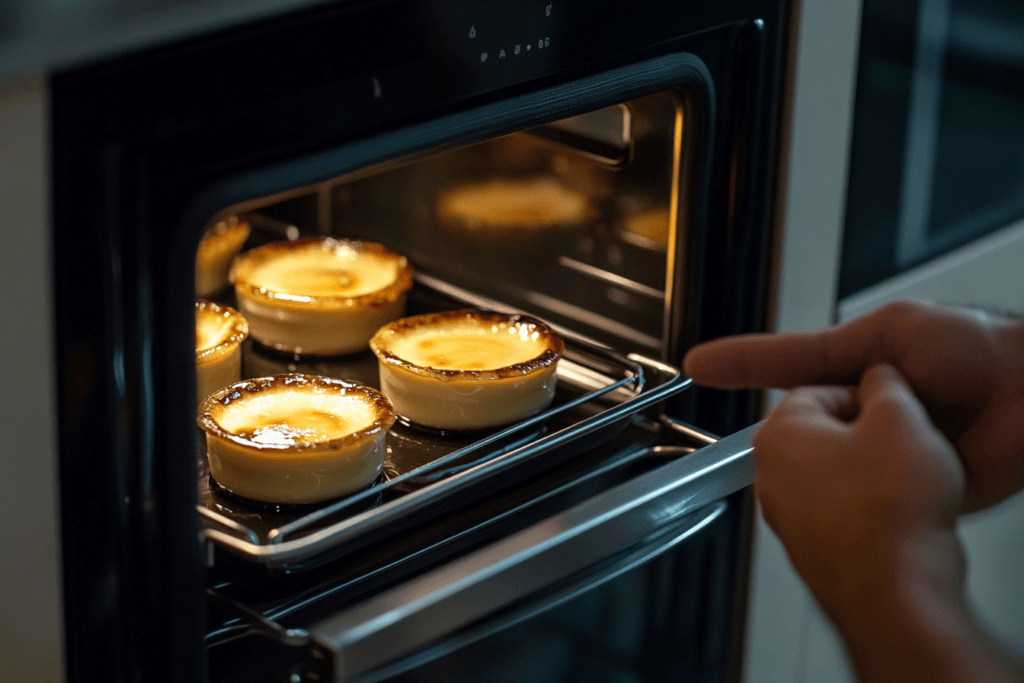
<point x="512" y="205"/>
<point x="295" y="439"/>
<point x="470" y="369"/>
<point x="219" y="244"/>
<point x="220" y="331"/>
<point x="320" y="296"/>
<point x="648" y="228"/>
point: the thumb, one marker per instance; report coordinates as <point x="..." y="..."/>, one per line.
<point x="888" y="405"/>
<point x="882" y="386"/>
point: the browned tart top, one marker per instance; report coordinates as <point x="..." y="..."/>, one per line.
<point x="323" y="272"/>
<point x="294" y="413"/>
<point x="218" y="329"/>
<point x="226" y="234"/>
<point x="468" y="344"/>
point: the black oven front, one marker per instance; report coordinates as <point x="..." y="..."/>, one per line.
<point x="606" y="540"/>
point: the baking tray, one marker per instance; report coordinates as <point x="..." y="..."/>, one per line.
<point x="598" y="391"/>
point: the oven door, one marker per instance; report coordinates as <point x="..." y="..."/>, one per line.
<point x="632" y="584"/>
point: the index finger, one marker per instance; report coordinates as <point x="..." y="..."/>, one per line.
<point x="836" y="355"/>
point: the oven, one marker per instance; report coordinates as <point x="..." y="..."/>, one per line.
<point x="605" y="538"/>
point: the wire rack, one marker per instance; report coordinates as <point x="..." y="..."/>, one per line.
<point x="598" y="391"/>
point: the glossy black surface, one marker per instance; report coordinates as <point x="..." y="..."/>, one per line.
<point x="148" y="146"/>
<point x="945" y="162"/>
<point x="660" y="620"/>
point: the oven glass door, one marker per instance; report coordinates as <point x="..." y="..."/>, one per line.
<point x="631" y="584"/>
<point x="637" y="618"/>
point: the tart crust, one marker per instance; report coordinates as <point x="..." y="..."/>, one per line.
<point x="220" y="331"/>
<point x="437" y="389"/>
<point x="295" y="439"/>
<point x="219" y="244"/>
<point x="320" y="296"/>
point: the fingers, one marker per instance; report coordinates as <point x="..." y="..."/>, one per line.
<point x="836" y="355"/>
<point x="884" y="395"/>
<point x="827" y="404"/>
<point x="786" y="360"/>
<point x="883" y="388"/>
<point x="892" y="419"/>
<point x="808" y="414"/>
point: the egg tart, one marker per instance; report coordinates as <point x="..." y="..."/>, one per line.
<point x="320" y="296"/>
<point x="648" y="228"/>
<point x="219" y="244"/>
<point x="516" y="205"/>
<point x="295" y="439"/>
<point x="220" y="331"/>
<point x="465" y="370"/>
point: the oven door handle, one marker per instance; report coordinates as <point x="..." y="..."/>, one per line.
<point x="652" y="548"/>
<point x="404" y="619"/>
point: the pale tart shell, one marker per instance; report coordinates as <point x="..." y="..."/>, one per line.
<point x="321" y="324"/>
<point x="218" y="364"/>
<point x="220" y="243"/>
<point x="296" y="473"/>
<point x="460" y="399"/>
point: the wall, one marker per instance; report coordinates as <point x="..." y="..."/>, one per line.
<point x="30" y="625"/>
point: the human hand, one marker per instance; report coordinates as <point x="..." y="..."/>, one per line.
<point x="863" y="492"/>
<point x="856" y="482"/>
<point x="966" y="368"/>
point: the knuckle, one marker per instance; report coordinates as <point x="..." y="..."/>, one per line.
<point x="901" y="310"/>
<point x="796" y="400"/>
<point x="902" y="320"/>
<point x="887" y="400"/>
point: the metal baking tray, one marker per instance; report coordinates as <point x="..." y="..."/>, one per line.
<point x="598" y="391"/>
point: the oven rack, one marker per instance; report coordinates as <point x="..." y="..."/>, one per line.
<point x="615" y="387"/>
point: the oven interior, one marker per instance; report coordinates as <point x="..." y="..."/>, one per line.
<point x="575" y="222"/>
<point x="572" y="221"/>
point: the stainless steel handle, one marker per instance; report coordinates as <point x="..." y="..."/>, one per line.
<point x="404" y="619"/>
<point x="686" y="527"/>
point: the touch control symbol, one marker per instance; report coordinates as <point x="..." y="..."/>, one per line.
<point x="376" y="88"/>
<point x="547" y="11"/>
<point x="472" y="31"/>
<point x="517" y="49"/>
<point x="483" y="56"/>
<point x="501" y="55"/>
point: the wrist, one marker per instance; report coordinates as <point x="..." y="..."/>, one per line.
<point x="912" y="620"/>
<point x="1010" y="335"/>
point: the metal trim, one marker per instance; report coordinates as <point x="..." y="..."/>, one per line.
<point x="420" y="611"/>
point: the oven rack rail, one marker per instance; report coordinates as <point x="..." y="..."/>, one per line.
<point x="626" y="383"/>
